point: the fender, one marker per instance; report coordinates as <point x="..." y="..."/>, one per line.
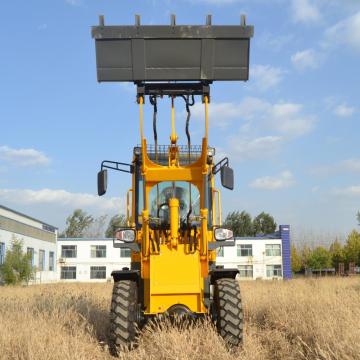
<point x="217" y="274"/>
<point x="126" y="274"/>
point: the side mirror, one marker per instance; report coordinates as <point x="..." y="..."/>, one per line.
<point x="227" y="177"/>
<point x="102" y="182"/>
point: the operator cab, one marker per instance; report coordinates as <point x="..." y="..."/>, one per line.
<point x="189" y="203"/>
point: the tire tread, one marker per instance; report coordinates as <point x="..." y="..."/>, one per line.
<point x="229" y="311"/>
<point x="123" y="315"/>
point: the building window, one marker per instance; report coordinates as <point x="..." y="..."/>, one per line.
<point x="68" y="251"/>
<point x="30" y="252"/>
<point x="244" y="250"/>
<point x="97" y="272"/>
<point x="2" y="253"/>
<point x="98" y="251"/>
<point x="220" y="251"/>
<point x="51" y="261"/>
<point x="125" y="253"/>
<point x="273" y="250"/>
<point x="245" y="271"/>
<point x="68" y="272"/>
<point x="41" y="260"/>
<point x="273" y="271"/>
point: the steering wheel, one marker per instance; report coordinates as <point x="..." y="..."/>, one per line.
<point x="160" y="208"/>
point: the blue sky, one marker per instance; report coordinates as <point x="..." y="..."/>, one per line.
<point x="291" y="132"/>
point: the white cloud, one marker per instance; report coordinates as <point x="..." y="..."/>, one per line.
<point x="344" y="110"/>
<point x="263" y="126"/>
<point x="59" y="197"/>
<point x="220" y="114"/>
<point x="348" y="191"/>
<point x="308" y="58"/>
<point x="305" y="11"/>
<point x="251" y="108"/>
<point x="287" y="118"/>
<point x="23" y="157"/>
<point x="346" y="32"/>
<point x="352" y="165"/>
<point x="252" y="148"/>
<point x="284" y="180"/>
<point x="345" y="166"/>
<point x="264" y="77"/>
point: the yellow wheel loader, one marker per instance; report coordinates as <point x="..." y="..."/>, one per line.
<point x="173" y="208"/>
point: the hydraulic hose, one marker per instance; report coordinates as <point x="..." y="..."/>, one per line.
<point x="188" y="104"/>
<point x="153" y="102"/>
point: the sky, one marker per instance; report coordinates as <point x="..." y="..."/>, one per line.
<point x="291" y="132"/>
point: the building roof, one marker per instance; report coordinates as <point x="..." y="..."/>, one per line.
<point x="27" y="216"/>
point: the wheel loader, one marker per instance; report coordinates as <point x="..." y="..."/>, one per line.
<point x="173" y="208"/>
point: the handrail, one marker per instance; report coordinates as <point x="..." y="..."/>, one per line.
<point x="128" y="219"/>
<point x="219" y="205"/>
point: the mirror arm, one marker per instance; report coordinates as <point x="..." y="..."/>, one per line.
<point x="114" y="165"/>
<point x="220" y="164"/>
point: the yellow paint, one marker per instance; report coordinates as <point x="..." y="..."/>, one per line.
<point x="173" y="137"/>
<point x="216" y="191"/>
<point x="128" y="218"/>
<point x="145" y="235"/>
<point x="204" y="233"/>
<point x="206" y="101"/>
<point x="174" y="221"/>
<point x="141" y="102"/>
<point x="175" y="278"/>
<point x="172" y="273"/>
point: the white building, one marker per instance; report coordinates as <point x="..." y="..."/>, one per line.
<point x="95" y="259"/>
<point x="38" y="238"/>
<point x="87" y="259"/>
<point x="255" y="258"/>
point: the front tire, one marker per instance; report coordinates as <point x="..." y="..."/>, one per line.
<point x="123" y="316"/>
<point x="229" y="312"/>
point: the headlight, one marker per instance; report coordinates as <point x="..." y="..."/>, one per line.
<point x="221" y="234"/>
<point x="126" y="235"/>
<point x="211" y="151"/>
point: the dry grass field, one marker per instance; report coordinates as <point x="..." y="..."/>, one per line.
<point x="299" y="319"/>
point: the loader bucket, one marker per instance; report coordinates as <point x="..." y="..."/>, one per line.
<point x="172" y="52"/>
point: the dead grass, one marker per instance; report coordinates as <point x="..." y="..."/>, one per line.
<point x="301" y="319"/>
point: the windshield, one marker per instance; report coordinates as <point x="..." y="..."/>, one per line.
<point x="187" y="194"/>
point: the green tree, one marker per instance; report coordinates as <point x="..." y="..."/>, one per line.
<point x="358" y="217"/>
<point x="97" y="228"/>
<point x="337" y="253"/>
<point x="117" y="221"/>
<point x="17" y="265"/>
<point x="296" y="261"/>
<point x="240" y="223"/>
<point x="318" y="259"/>
<point x="305" y="253"/>
<point x="352" y="248"/>
<point x="264" y="224"/>
<point x="77" y="224"/>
